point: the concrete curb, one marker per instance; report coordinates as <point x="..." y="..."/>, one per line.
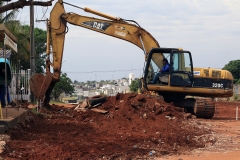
<point x="11" y="117"/>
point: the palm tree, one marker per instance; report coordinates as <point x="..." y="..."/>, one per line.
<point x="9" y="16"/>
<point x="22" y="33"/>
<point x="14" y="26"/>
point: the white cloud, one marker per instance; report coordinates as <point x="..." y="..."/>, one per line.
<point x="208" y="28"/>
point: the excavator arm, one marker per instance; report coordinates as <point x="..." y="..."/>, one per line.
<point x="127" y="30"/>
<point x="182" y="81"/>
<point x="117" y="28"/>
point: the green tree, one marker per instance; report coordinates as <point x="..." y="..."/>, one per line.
<point x="22" y="32"/>
<point x="238" y="82"/>
<point x="63" y="86"/>
<point x="134" y="86"/>
<point x="23" y="44"/>
<point x="40" y="45"/>
<point x="234" y="67"/>
<point x="88" y="82"/>
<point x="75" y="82"/>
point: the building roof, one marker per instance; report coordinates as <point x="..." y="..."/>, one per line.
<point x="3" y="29"/>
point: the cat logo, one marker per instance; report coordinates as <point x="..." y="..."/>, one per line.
<point x="97" y="25"/>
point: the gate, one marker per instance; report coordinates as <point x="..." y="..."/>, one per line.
<point x="19" y="88"/>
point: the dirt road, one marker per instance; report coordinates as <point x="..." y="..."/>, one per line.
<point x="227" y="146"/>
<point x="227" y="131"/>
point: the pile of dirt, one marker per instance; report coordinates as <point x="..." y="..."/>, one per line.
<point x="135" y="126"/>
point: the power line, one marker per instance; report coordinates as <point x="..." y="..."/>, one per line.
<point x="79" y="72"/>
<point x="44" y="12"/>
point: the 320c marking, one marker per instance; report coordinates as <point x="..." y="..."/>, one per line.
<point x="217" y="85"/>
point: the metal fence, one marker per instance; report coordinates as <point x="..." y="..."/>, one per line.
<point x="236" y="89"/>
<point x="19" y="88"/>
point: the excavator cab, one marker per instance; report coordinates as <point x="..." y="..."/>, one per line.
<point x="180" y="68"/>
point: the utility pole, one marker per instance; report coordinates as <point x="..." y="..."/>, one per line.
<point x="32" y="45"/>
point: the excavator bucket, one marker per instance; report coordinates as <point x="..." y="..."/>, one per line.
<point x="39" y="84"/>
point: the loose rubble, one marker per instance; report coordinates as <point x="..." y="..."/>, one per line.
<point x="134" y="126"/>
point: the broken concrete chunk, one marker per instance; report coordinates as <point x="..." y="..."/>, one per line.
<point x="85" y="104"/>
<point x="81" y="109"/>
<point x="99" y="110"/>
<point x="170" y="118"/>
<point x="32" y="106"/>
<point x="145" y="115"/>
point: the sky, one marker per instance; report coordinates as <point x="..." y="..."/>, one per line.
<point x="210" y="30"/>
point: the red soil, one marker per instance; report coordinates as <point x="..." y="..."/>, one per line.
<point x="134" y="126"/>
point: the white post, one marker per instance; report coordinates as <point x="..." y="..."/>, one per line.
<point x="216" y="112"/>
<point x="236" y="113"/>
<point x="28" y="88"/>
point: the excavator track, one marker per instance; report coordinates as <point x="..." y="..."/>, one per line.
<point x="204" y="108"/>
<point x="200" y="107"/>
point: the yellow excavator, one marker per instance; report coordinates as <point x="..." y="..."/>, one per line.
<point x="180" y="85"/>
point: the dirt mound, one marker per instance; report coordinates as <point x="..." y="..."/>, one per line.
<point x="135" y="126"/>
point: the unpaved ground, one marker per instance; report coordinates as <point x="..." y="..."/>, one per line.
<point x="227" y="132"/>
<point x="137" y="126"/>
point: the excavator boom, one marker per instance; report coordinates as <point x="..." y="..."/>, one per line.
<point x="57" y="27"/>
<point x="180" y="81"/>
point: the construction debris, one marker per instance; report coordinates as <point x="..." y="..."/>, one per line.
<point x="91" y="102"/>
<point x="109" y="130"/>
<point x="99" y="110"/>
<point x="32" y="105"/>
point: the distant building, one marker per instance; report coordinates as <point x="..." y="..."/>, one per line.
<point x="97" y="84"/>
<point x="123" y="89"/>
<point x="131" y="78"/>
<point x="112" y="90"/>
<point x="77" y="89"/>
<point x="123" y="82"/>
